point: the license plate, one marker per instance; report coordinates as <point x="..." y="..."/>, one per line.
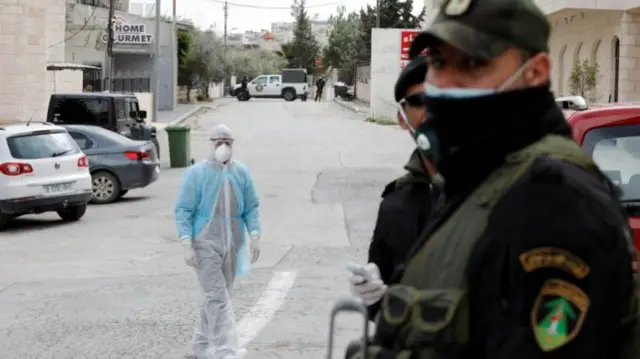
<point x="55" y="188"/>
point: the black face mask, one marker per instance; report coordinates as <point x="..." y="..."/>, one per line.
<point x="480" y="131"/>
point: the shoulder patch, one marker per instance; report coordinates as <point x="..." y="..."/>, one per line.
<point x="457" y="7"/>
<point x="558" y="314"/>
<point x="547" y="257"/>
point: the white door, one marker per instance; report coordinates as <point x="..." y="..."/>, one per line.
<point x="258" y="86"/>
<point x="275" y="87"/>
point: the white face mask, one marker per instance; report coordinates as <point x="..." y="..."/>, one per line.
<point x="222" y="153"/>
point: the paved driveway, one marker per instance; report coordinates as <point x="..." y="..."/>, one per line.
<point x="113" y="285"/>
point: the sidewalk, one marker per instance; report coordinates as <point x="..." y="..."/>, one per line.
<point x="356" y="106"/>
<point x="180" y="112"/>
<point x="183" y="111"/>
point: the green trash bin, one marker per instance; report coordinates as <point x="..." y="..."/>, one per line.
<point x="179" y="145"/>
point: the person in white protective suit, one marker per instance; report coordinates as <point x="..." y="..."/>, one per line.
<point x="216" y="205"/>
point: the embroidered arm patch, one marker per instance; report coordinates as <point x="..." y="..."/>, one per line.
<point x="558" y="314"/>
<point x="546" y="257"/>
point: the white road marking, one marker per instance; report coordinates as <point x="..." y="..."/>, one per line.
<point x="264" y="310"/>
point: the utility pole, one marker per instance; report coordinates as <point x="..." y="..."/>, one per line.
<point x="378" y="14"/>
<point x="174" y="56"/>
<point x="156" y="65"/>
<point x="109" y="71"/>
<point x="226" y="16"/>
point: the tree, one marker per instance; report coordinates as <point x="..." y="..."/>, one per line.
<point x="251" y="63"/>
<point x="215" y="66"/>
<point x="393" y="14"/>
<point x="286" y="53"/>
<point x="304" y="45"/>
<point x="583" y="79"/>
<point x="185" y="41"/>
<point x="203" y="64"/>
<point x="191" y="66"/>
<point x="344" y="42"/>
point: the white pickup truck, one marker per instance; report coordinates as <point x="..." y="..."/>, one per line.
<point x="290" y="85"/>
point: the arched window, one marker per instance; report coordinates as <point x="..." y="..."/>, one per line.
<point x="615" y="57"/>
<point x="561" y="71"/>
<point x="594" y="52"/>
<point x="576" y="53"/>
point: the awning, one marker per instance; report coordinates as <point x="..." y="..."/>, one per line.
<point x="59" y="66"/>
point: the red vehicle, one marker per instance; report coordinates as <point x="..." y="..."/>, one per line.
<point x="610" y="134"/>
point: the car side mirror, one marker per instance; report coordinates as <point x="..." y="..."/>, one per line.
<point x="142" y="114"/>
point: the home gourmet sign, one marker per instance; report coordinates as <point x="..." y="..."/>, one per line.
<point x="128" y="34"/>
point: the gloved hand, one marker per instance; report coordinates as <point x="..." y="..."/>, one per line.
<point x="369" y="291"/>
<point x="255" y="246"/>
<point x="189" y="253"/>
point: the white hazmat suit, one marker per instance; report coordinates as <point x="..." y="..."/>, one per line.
<point x="216" y="205"/>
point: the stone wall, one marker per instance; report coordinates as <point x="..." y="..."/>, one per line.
<point x="64" y="81"/>
<point x="363" y="83"/>
<point x="629" y="72"/>
<point x="28" y="36"/>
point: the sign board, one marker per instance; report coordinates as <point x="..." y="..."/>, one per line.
<point x="406" y="38"/>
<point x="128" y="34"/>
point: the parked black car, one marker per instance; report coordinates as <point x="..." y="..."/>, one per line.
<point x="117" y="163"/>
<point x="119" y="113"/>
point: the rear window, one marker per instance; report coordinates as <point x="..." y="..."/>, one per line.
<point x="79" y="111"/>
<point x="42" y="145"/>
<point x="616" y="150"/>
<point x="112" y="138"/>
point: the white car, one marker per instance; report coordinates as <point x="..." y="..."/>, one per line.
<point x="42" y="169"/>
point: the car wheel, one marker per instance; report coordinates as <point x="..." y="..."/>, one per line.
<point x="289" y="95"/>
<point x="106" y="187"/>
<point x="73" y="213"/>
<point x="156" y="145"/>
<point x="4" y="220"/>
<point x="122" y="193"/>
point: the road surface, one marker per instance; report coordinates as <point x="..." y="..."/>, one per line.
<point x="114" y="284"/>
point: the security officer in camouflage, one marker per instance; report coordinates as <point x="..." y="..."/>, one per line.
<point x="531" y="255"/>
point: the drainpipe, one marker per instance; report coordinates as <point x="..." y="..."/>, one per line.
<point x="156" y="66"/>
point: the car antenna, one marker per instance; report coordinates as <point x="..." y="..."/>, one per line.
<point x="31" y="118"/>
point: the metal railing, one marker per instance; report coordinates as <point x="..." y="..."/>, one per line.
<point x="141" y="84"/>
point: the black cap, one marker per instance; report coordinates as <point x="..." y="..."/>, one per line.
<point x="413" y="74"/>
<point x="484" y="29"/>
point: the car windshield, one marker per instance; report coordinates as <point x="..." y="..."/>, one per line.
<point x="45" y="144"/>
<point x="616" y="150"/>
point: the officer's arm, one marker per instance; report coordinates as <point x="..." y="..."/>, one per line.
<point x="555" y="271"/>
<point x="380" y="252"/>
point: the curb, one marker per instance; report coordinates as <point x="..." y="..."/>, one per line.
<point x="349" y="106"/>
<point x="181" y="118"/>
<point x="184" y="117"/>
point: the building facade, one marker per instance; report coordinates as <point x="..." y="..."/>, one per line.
<point x="143" y="8"/>
<point x="133" y="50"/>
<point x="603" y="32"/>
<point x="32" y="35"/>
<point x="283" y="31"/>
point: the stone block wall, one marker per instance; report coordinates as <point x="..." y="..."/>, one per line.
<point x="63" y="81"/>
<point x="629" y="64"/>
<point x="25" y="47"/>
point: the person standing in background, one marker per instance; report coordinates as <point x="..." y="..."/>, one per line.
<point x="319" y="88"/>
